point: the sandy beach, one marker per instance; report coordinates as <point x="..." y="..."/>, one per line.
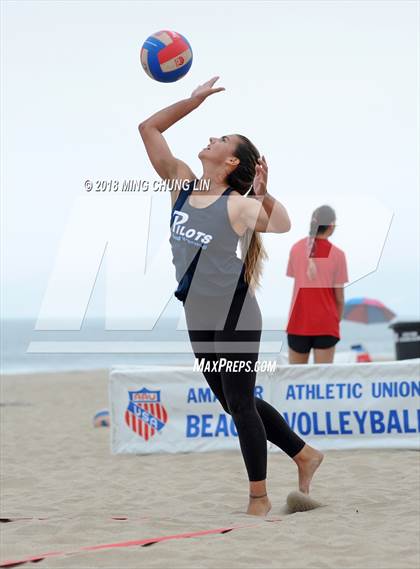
<point x="55" y="465"/>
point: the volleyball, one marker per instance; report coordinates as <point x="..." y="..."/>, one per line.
<point x="166" y="56"/>
<point x="101" y="419"/>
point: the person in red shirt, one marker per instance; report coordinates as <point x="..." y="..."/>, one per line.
<point x="319" y="270"/>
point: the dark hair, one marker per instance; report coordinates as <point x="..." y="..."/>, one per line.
<point x="252" y="249"/>
<point x="322" y="218"/>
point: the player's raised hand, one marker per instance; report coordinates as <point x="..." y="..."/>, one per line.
<point x="206" y="89"/>
<point x="260" y="180"/>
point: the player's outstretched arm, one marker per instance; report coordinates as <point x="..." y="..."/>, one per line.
<point x="166" y="165"/>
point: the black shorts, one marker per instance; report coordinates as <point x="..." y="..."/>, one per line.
<point x="303" y="344"/>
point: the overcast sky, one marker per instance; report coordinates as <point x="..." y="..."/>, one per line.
<point x="327" y="91"/>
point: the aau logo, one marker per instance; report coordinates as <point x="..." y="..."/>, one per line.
<point x="145" y="415"/>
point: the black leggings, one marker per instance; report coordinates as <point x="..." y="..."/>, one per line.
<point x="214" y="331"/>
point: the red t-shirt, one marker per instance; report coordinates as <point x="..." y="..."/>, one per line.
<point x="313" y="311"/>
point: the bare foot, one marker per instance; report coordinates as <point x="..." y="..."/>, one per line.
<point x="259" y="506"/>
<point x="307" y="460"/>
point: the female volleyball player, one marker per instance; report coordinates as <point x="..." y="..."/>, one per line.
<point x="217" y="288"/>
<point x="319" y="270"/>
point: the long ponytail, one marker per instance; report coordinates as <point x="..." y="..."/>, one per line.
<point x="321" y="219"/>
<point x="253" y="252"/>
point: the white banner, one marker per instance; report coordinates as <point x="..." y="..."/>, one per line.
<point x="332" y="406"/>
<point x="369" y="405"/>
<point x="167" y="409"/>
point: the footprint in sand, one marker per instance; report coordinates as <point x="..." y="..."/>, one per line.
<point x="299" y="502"/>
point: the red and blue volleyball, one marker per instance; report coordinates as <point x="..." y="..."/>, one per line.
<point x="166" y="56"/>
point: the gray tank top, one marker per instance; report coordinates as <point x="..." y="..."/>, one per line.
<point x="204" y="245"/>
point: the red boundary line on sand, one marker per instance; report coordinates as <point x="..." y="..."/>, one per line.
<point x="6" y="520"/>
<point x="142" y="542"/>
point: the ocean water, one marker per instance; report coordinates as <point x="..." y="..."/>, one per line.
<point x="93" y="347"/>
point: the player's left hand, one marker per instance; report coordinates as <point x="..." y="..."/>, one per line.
<point x="260" y="180"/>
<point x="203" y="91"/>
